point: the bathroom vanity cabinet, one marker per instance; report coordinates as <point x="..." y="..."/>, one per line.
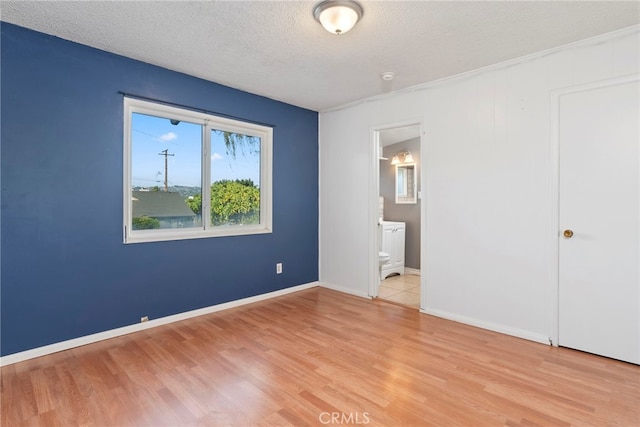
<point x="393" y="236"/>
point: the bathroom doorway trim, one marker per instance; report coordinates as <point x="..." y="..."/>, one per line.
<point x="374" y="191"/>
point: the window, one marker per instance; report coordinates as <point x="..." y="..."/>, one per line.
<point x="192" y="175"/>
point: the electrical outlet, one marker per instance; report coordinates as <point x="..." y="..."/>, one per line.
<point x="144" y="319"/>
<point x="279" y="268"/>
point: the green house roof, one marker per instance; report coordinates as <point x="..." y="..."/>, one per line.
<point x="159" y="204"/>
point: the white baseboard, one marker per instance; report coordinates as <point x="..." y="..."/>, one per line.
<point x="88" y="339"/>
<point x="507" y="330"/>
<point x="414" y="271"/>
<point x="331" y="286"/>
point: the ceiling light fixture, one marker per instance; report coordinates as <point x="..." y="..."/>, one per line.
<point x="406" y="158"/>
<point x="338" y="16"/>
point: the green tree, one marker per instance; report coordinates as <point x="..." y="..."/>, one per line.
<point x="235" y="202"/>
<point x="145" y="223"/>
<point x="195" y="203"/>
<point x="232" y="202"/>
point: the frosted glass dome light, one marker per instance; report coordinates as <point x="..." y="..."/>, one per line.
<point x="338" y="16"/>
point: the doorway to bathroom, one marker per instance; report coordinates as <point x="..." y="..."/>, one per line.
<point x="397" y="214"/>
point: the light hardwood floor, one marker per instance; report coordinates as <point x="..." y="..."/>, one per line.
<point x="314" y="357"/>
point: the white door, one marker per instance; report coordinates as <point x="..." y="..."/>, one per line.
<point x="599" y="272"/>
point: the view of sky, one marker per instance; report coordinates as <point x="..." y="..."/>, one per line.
<point x="152" y="135"/>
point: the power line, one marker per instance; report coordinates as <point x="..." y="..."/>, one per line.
<point x="157" y="138"/>
<point x="145" y="133"/>
<point x="135" y="178"/>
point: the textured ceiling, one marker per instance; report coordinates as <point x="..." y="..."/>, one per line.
<point x="277" y="49"/>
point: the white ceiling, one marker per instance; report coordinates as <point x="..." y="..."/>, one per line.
<point x="277" y="49"/>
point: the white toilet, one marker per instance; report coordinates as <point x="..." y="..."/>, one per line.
<point x="383" y="258"/>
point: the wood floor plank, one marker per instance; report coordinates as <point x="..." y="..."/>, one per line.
<point x="319" y="357"/>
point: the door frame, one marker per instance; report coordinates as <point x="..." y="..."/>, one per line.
<point x="374" y="192"/>
<point x="554" y="226"/>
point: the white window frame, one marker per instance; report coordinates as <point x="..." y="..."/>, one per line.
<point x="209" y="122"/>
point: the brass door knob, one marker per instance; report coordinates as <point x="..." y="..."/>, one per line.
<point x="568" y="234"/>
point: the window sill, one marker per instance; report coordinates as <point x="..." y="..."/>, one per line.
<point x="170" y="235"/>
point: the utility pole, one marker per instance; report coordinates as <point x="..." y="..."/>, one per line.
<point x="166" y="154"/>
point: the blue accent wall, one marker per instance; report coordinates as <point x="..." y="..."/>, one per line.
<point x="65" y="272"/>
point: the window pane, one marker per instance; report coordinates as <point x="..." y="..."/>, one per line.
<point x="165" y="172"/>
<point x="235" y="178"/>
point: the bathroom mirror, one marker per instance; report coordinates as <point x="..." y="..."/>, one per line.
<point x="406" y="183"/>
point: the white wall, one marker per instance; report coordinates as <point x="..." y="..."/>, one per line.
<point x="486" y="178"/>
